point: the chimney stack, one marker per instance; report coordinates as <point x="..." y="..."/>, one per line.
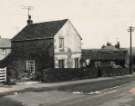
<point x="29" y="21"/>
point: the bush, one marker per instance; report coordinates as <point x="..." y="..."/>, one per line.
<point x="66" y="74"/>
<point x="59" y="74"/>
<point x="107" y="72"/>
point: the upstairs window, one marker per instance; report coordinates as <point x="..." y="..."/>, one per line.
<point x="61" y="43"/>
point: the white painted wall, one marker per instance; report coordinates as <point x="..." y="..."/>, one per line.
<point x="4" y="53"/>
<point x="72" y="41"/>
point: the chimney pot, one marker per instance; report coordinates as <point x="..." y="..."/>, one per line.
<point x="29" y="21"/>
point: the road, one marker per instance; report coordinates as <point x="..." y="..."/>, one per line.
<point x="123" y="95"/>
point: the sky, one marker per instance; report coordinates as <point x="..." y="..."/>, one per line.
<point x="97" y="21"/>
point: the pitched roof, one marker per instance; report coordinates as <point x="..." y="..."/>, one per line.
<point x="39" y="30"/>
<point x="5" y="43"/>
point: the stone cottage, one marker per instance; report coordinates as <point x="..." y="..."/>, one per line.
<point x="38" y="46"/>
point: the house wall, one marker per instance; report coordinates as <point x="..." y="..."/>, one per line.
<point x="39" y="50"/>
<point x="4" y="52"/>
<point x="72" y="46"/>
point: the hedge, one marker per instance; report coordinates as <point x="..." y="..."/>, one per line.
<point x="108" y="72"/>
<point x="59" y="74"/>
<point x="52" y="75"/>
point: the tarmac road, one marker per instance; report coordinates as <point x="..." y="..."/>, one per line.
<point x="123" y="95"/>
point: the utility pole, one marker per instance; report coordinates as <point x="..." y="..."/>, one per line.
<point x="130" y="30"/>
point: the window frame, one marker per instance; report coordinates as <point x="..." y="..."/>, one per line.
<point x="61" y="43"/>
<point x="61" y="63"/>
<point x="4" y="52"/>
<point x="76" y="60"/>
<point x="30" y="66"/>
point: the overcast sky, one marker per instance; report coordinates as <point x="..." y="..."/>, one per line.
<point x="97" y="21"/>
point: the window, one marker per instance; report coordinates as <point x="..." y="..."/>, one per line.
<point x="30" y="66"/>
<point x="4" y="51"/>
<point x="76" y="63"/>
<point x="61" y="63"/>
<point x="61" y="43"/>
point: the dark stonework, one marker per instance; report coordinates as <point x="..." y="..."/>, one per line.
<point x="39" y="50"/>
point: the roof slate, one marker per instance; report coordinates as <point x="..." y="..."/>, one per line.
<point x="39" y="30"/>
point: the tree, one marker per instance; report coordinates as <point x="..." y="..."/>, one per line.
<point x="117" y="45"/>
<point x="103" y="46"/>
<point x="108" y="44"/>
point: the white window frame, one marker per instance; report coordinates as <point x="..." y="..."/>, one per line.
<point x="76" y="60"/>
<point x="62" y="64"/>
<point x="30" y="66"/>
<point x="4" y="52"/>
<point x="61" y="43"/>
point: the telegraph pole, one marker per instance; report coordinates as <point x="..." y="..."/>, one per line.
<point x="130" y="30"/>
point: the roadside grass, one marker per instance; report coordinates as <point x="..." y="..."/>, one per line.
<point x="8" y="102"/>
<point x="94" y="86"/>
